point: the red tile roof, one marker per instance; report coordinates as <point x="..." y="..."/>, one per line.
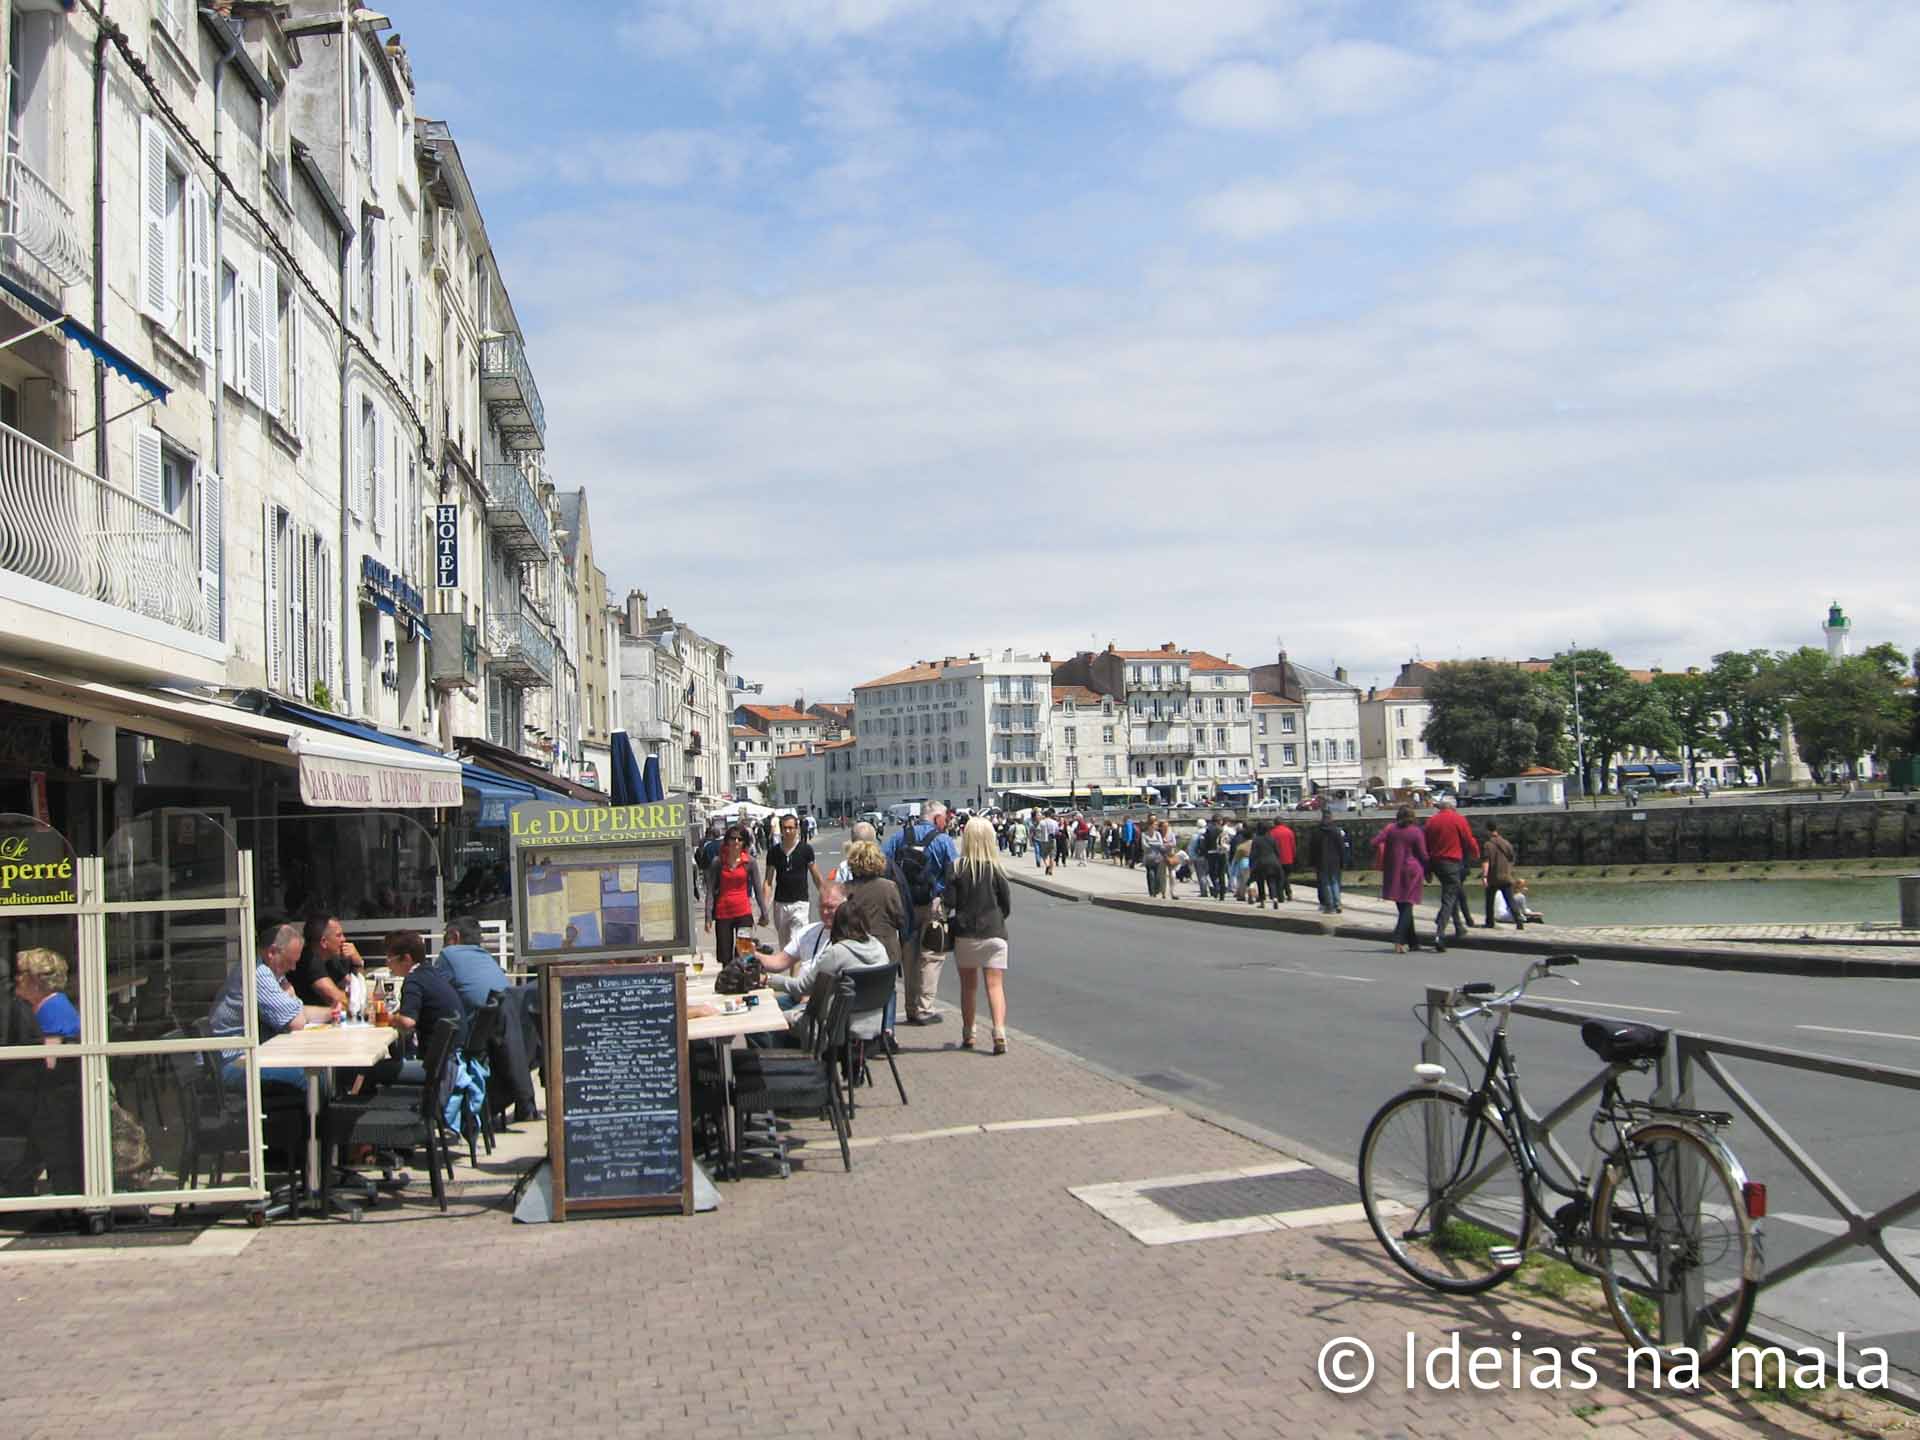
<point x="914" y="673"/>
<point x="747" y="732"/>
<point x="1168" y="654"/>
<point x="1203" y="661"/>
<point x="780" y="715"/>
<point x="1400" y="692"/>
<point x="1079" y="694"/>
<point x="1267" y="700"/>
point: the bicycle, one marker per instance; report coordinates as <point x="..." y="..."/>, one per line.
<point x="1454" y="1188"/>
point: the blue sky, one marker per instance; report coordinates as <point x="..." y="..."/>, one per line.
<point x="879" y="329"/>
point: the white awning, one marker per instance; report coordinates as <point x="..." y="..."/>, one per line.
<point x="337" y="772"/>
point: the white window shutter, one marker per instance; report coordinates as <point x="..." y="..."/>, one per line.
<point x="381" y="502"/>
<point x="213" y="504"/>
<point x="270" y="334"/>
<point x="200" y="301"/>
<point x="295" y="341"/>
<point x="377" y="301"/>
<point x="270" y="557"/>
<point x="255" y="344"/>
<point x="156" y="264"/>
<point x="297" y="591"/>
<point x="149" y="481"/>
<point x="329" y="598"/>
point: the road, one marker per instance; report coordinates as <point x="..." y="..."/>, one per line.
<point x="1304" y="1036"/>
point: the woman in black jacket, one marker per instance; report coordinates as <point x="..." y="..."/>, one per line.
<point x="978" y="902"/>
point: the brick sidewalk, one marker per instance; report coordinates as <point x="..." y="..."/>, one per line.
<point x="949" y="1285"/>
<point x="1769" y="947"/>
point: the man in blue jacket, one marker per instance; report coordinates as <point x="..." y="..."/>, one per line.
<point x="926" y="856"/>
<point x="475" y="974"/>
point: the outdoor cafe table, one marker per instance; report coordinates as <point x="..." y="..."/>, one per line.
<point x="314" y="1048"/>
<point x="765" y="1018"/>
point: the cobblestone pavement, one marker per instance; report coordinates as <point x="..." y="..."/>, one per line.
<point x="1787" y="943"/>
<point x="949" y="1285"/>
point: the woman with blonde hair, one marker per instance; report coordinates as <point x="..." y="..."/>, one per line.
<point x="978" y="902"/>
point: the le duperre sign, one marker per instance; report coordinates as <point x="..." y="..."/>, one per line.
<point x="535" y="823"/>
<point x="36" y="868"/>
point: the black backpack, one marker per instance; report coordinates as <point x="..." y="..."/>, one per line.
<point x="915" y="865"/>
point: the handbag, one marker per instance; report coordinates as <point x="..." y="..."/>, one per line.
<point x="737" y="977"/>
<point x="935" y="938"/>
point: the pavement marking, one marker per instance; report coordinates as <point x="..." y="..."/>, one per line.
<point x="1869" y="1034"/>
<point x="1607" y="1005"/>
<point x="997" y="1127"/>
<point x="1127" y="1205"/>
<point x="1326" y="975"/>
<point x="217" y="1243"/>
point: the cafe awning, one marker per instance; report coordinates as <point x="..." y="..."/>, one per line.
<point x="1234" y="787"/>
<point x="337" y="772"/>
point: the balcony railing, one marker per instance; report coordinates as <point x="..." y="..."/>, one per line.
<point x="40" y="223"/>
<point x="515" y="514"/>
<point x="1162" y="747"/>
<point x="521" y="650"/>
<point x="64" y="526"/>
<point x="507" y="383"/>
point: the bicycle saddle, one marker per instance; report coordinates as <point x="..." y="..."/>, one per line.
<point x="1619" y="1043"/>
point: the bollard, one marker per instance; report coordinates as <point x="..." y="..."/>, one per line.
<point x="1910" y="902"/>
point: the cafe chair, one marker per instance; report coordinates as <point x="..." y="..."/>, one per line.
<point x="417" y="1126"/>
<point x="872" y="988"/>
<point x="213" y="1123"/>
<point x="482" y="1030"/>
<point x="764" y="1084"/>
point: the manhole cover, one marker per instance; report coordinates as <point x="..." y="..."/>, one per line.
<point x="112" y="1240"/>
<point x="1253" y="1195"/>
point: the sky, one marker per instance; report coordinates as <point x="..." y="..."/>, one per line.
<point x="886" y="329"/>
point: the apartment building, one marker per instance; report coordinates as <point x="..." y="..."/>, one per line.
<point x="1220" y="702"/>
<point x="1329" y="723"/>
<point x="673" y="683"/>
<point x="1393" y="747"/>
<point x="1279" y="747"/>
<point x="788" y="726"/>
<point x="752" y="763"/>
<point x="820" y="778"/>
<point x="1089" y="741"/>
<point x="835" y="717"/>
<point x="597" y="650"/>
<point x="963" y="729"/>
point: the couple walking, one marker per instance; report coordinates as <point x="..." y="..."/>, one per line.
<point x="1409" y="855"/>
<point x="969" y="891"/>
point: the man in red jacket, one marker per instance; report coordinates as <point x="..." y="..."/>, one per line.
<point x="1282" y="834"/>
<point x="1450" y="844"/>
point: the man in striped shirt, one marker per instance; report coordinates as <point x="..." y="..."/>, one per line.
<point x="280" y="1009"/>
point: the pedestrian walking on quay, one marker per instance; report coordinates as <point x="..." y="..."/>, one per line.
<point x="1400" y="850"/>
<point x="1332" y="853"/>
<point x="1450" y="845"/>
<point x="979" y="901"/>
<point x="1269" y="880"/>
<point x="1287" y="843"/>
<point x="1063" y="841"/>
<point x="1496" y="871"/>
<point x="735" y="894"/>
<point x="1158" y="845"/>
<point x="925" y="854"/>
<point x="789" y="866"/>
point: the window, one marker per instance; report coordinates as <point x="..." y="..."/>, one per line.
<point x="1240" y="705"/>
<point x="1263" y="757"/>
<point x="176" y="243"/>
<point x="1314" y="752"/>
<point x="1400" y="717"/>
<point x="1140" y="767"/>
<point x="229" y="326"/>
<point x="369" y="296"/>
<point x="1263" y="724"/>
<point x="1220" y="736"/>
<point x="1286" y="724"/>
<point x="275" y="152"/>
<point x="1160" y="768"/>
<point x="1220" y="705"/>
<point x="1199" y="767"/>
<point x="1243" y="767"/>
<point x="1113" y="767"/>
<point x="1106" y="734"/>
<point x="1406" y="749"/>
<point x="1289" y="755"/>
<point x="1350" y="750"/>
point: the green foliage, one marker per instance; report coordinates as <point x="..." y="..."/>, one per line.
<point x="1617" y="712"/>
<point x="1741" y="689"/>
<point x="1843" y="709"/>
<point x="1494" y="719"/>
<point x="1690" y="707"/>
<point x="321" y="697"/>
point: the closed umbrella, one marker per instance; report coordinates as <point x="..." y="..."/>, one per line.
<point x="629" y="786"/>
<point x="650" y="786"/>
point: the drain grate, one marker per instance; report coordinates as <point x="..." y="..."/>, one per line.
<point x="1253" y="1195"/>
<point x="112" y="1240"/>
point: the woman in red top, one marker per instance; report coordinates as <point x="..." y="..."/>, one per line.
<point x="736" y="895"/>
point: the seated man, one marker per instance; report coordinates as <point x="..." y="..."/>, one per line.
<point x="280" y="1010"/>
<point x="790" y="971"/>
<point x="327" y="958"/>
<point x="426" y="998"/>
<point x="475" y="974"/>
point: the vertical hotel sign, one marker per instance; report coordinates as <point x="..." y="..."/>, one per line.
<point x="446" y="547"/>
<point x="36" y="865"/>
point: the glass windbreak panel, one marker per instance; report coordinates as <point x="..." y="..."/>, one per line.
<point x="173" y="855"/>
<point x="40" y="1135"/>
<point x="36" y="868"/>
<point x="167" y="971"/>
<point x="179" y="1122"/>
<point x="481" y="869"/>
<point x="370" y="868"/>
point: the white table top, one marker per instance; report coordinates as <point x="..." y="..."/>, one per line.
<point x="763" y="1019"/>
<point x="322" y="1047"/>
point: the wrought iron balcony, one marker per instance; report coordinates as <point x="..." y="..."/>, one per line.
<point x="66" y="527"/>
<point x="521" y="650"/>
<point x="1162" y="747"/>
<point x="506" y="382"/>
<point x="515" y="514"/>
<point x="40" y="225"/>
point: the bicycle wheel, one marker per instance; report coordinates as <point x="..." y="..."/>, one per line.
<point x="1442" y="1191"/>
<point x="1671" y="1238"/>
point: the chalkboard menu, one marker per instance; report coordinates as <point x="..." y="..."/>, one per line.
<point x="618" y="1125"/>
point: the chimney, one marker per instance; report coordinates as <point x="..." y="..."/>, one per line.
<point x="1340" y="673"/>
<point x="1370" y="691"/>
<point x="1047" y="656"/>
<point x="636" y="613"/>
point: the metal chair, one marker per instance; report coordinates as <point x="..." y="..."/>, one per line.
<point x="805" y="1085"/>
<point x="872" y="988"/>
<point x="390" y="1127"/>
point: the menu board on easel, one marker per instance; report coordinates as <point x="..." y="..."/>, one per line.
<point x="619" y="1127"/>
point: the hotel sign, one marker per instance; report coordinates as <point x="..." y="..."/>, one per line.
<point x="446" y="547"/>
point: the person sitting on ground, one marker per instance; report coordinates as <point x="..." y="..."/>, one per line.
<point x="279" y="1008"/>
<point x="327" y="959"/>
<point x="476" y="976"/>
<point x="40" y="979"/>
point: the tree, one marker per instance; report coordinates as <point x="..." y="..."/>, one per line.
<point x="1748" y="707"/>
<point x="1690" y="708"/>
<point x="1843" y="709"/>
<point x="1617" y="712"/>
<point x="1493" y="719"/>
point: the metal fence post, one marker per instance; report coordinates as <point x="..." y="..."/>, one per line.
<point x="1439" y="1157"/>
<point x="1677" y="1178"/>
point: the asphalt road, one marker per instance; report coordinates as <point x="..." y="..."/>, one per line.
<point x="1304" y="1037"/>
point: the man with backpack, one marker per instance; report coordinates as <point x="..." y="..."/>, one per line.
<point x="926" y="855"/>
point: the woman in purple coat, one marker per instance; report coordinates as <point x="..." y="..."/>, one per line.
<point x="1400" y="851"/>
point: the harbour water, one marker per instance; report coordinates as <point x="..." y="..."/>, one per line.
<point x="1716" y="902"/>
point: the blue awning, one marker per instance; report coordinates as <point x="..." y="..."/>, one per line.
<point x="262" y="703"/>
<point x="1632" y="770"/>
<point x="498" y="795"/>
<point x="1236" y="787"/>
<point x="1665" y="767"/>
<point x="114" y="358"/>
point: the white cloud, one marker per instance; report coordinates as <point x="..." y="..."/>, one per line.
<point x="1064" y="35"/>
<point x="644" y="160"/>
<point x="1343" y="79"/>
<point x="1262" y="209"/>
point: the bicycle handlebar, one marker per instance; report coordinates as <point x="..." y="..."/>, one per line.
<point x="1489" y="1001"/>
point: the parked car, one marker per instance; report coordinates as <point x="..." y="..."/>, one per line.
<point x="1312" y="802"/>
<point x="1483" y="800"/>
<point x="1265" y="807"/>
<point x="1366" y="801"/>
<point x="1677" y="787"/>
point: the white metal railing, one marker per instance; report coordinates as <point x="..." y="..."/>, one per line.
<point x="65" y="526"/>
<point x="40" y="222"/>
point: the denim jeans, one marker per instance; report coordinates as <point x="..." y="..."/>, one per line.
<point x="234" y="1076"/>
<point x="1330" y="890"/>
